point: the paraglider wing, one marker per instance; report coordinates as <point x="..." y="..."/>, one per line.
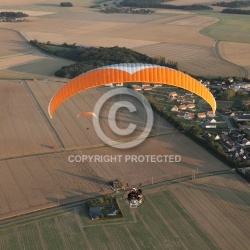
<point x="86" y="113"/>
<point x="130" y="72"/>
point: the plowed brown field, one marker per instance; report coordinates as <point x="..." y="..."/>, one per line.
<point x="220" y="205"/>
<point x="40" y="175"/>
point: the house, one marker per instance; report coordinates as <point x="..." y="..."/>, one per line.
<point x="242" y="117"/>
<point x="239" y="152"/>
<point x="116" y="185"/>
<point x="228" y="147"/>
<point x="175" y="108"/>
<point x="157" y="85"/>
<point x="206" y="135"/>
<point x="224" y="137"/>
<point x="172" y="98"/>
<point x="180" y="114"/>
<point x="145" y="85"/>
<point x="172" y="94"/>
<point x="246" y="85"/>
<point x="182" y="107"/>
<point x="211" y="120"/>
<point x="244" y="142"/>
<point x="201" y="115"/>
<point x="137" y="87"/>
<point x="210" y="114"/>
<point x="114" y="213"/>
<point x="106" y="85"/>
<point x="240" y="138"/>
<point x="119" y="84"/>
<point x="146" y="88"/>
<point x="235" y="133"/>
<point x="95" y="212"/>
<point x="210" y="126"/>
<point x="207" y="125"/>
<point x="190" y="106"/>
<point x="189" y="100"/>
<point x="180" y="99"/>
<point x="189" y="116"/>
<point x="217" y="137"/>
<point x="206" y="83"/>
<point x="226" y="111"/>
<point x="247" y="102"/>
<point x="242" y="127"/>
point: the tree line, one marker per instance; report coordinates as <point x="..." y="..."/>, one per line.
<point x="66" y="4"/>
<point x="109" y="10"/>
<point x="233" y="4"/>
<point x="158" y="4"/>
<point x="88" y="58"/>
<point x="236" y="11"/>
<point x="10" y="14"/>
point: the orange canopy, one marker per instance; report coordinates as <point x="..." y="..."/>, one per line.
<point x="130" y="72"/>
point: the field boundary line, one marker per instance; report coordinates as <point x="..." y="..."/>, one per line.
<point x="216" y="48"/>
<point x="162" y="184"/>
<point x="46" y="119"/>
<point x="57" y="209"/>
<point x="72" y="149"/>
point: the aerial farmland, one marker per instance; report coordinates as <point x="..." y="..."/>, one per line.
<point x="195" y="203"/>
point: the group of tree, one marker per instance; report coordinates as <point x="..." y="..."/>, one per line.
<point x="109" y="10"/>
<point x="160" y="4"/>
<point x="100" y="201"/>
<point x="66" y="4"/>
<point x="10" y="14"/>
<point x="236" y="11"/>
<point x="227" y="94"/>
<point x="233" y="4"/>
<point x="88" y="58"/>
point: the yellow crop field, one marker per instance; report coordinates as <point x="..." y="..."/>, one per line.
<point x="238" y="53"/>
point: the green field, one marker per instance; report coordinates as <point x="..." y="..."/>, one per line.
<point x="160" y="223"/>
<point x="232" y="28"/>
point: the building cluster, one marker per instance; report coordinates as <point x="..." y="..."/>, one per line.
<point x="187" y="107"/>
<point x="240" y="116"/>
<point x="234" y="143"/>
<point x="145" y="86"/>
<point x="224" y="85"/>
<point x="11" y="19"/>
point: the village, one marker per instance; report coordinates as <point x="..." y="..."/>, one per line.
<point x="13" y="17"/>
<point x="229" y="126"/>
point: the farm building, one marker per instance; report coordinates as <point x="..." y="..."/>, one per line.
<point x="94" y="212"/>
